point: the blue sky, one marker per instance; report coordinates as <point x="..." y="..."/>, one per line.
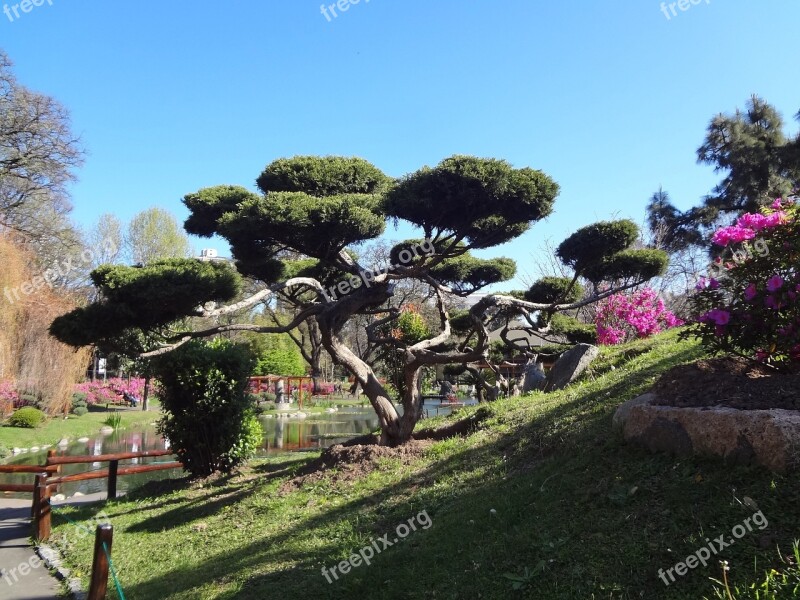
<point x="610" y="98"/>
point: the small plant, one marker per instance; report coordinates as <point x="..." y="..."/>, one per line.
<point x="4" y="452"/>
<point x="777" y="585"/>
<point x="265" y="407"/>
<point x="523" y="580"/>
<point x="114" y="420"/>
<point x="79" y="404"/>
<point x="27" y="417"/>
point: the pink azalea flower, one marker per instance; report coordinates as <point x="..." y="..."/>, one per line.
<point x="778" y="204"/>
<point x="720" y="317"/>
<point x="772" y="302"/>
<point x="776" y="219"/>
<point x="732" y="234"/>
<point x="754" y="221"/>
<point x="750" y="292"/>
<point x="775" y="283"/>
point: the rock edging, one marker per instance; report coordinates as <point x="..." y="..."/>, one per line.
<point x="770" y="438"/>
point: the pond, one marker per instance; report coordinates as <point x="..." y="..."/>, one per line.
<point x="282" y="433"/>
<point x="315" y="431"/>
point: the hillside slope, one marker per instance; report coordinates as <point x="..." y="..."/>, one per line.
<point x="540" y="501"/>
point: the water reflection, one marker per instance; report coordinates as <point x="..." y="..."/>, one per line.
<point x="284" y="433"/>
<point x="126" y="440"/>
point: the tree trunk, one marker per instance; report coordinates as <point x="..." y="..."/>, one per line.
<point x="146" y="393"/>
<point x="394" y="430"/>
<point x="316" y="369"/>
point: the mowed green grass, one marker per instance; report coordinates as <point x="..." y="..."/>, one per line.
<point x="57" y="428"/>
<point x="541" y="502"/>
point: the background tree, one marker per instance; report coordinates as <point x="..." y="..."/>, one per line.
<point x="154" y="234"/>
<point x="38" y="153"/>
<point x="276" y="355"/>
<point x="106" y="240"/>
<point x="759" y="161"/>
<point x="318" y="208"/>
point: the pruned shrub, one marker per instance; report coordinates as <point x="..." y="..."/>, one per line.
<point x="79" y="411"/>
<point x="208" y="417"/>
<point x="27" y="417"/>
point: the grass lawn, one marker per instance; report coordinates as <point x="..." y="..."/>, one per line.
<point x="542" y="501"/>
<point x="74" y="427"/>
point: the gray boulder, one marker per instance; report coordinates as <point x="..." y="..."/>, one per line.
<point x="532" y="377"/>
<point x="570" y="366"/>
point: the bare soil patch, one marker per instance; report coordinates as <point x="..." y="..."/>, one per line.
<point x="342" y="463"/>
<point x="732" y="382"/>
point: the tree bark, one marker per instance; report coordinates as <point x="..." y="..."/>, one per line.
<point x="389" y="419"/>
<point x="146" y="393"/>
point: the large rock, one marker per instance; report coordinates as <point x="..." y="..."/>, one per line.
<point x="532" y="377"/>
<point x="770" y="438"/>
<point x="570" y="366"/>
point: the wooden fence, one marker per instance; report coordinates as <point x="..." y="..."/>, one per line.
<point x="48" y="476"/>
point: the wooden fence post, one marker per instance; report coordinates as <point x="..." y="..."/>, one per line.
<point x="42" y="514"/>
<point x="112" y="479"/>
<point x="99" y="583"/>
<point x="36" y="498"/>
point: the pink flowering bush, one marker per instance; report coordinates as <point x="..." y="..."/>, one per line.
<point x="97" y="392"/>
<point x="9" y="397"/>
<point x="751" y="308"/>
<point x="623" y="317"/>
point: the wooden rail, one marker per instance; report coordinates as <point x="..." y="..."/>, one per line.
<point x="48" y="477"/>
<point x="112" y="472"/>
<point x="75" y="460"/>
<point x="26" y="488"/>
<point x="27" y="469"/>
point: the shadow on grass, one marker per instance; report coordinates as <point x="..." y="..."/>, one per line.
<point x="596" y="520"/>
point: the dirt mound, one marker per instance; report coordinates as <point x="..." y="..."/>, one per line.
<point x="349" y="463"/>
<point x="733" y="382"/>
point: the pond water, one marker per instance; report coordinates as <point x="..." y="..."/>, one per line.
<point x="283" y="433"/>
<point x="134" y="439"/>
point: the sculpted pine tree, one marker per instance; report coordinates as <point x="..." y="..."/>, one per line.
<point x="316" y="209"/>
<point x="759" y="163"/>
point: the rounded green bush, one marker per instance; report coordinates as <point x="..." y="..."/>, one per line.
<point x="250" y="439"/>
<point x="79" y="411"/>
<point x="549" y="290"/>
<point x="28" y="417"/>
